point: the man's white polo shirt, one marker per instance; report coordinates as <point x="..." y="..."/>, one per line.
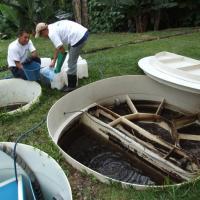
<point x="18" y="52"/>
<point x="65" y="32"/>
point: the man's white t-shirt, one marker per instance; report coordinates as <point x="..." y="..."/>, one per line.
<point x="18" y="52"/>
<point x="65" y="32"/>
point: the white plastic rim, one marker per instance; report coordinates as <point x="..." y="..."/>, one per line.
<point x="165" y="72"/>
<point x="52" y="179"/>
<point x="142" y="87"/>
<point x="15" y="90"/>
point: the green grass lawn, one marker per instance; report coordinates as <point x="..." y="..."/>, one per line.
<point x="121" y="60"/>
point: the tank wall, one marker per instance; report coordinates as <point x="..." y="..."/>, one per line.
<point x="16" y="90"/>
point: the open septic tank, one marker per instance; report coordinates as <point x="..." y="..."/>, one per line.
<point x="18" y="95"/>
<point x="130" y="129"/>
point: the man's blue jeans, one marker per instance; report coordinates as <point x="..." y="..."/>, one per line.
<point x="18" y="73"/>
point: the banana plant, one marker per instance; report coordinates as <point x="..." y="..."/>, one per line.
<point x="8" y="21"/>
<point x="32" y="11"/>
<point x="25" y="10"/>
<point x="10" y="14"/>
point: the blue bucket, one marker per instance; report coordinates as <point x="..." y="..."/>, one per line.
<point x="32" y="71"/>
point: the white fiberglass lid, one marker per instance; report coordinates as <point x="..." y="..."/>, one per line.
<point x="174" y="70"/>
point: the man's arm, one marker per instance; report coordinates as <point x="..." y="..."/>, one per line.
<point x="34" y="54"/>
<point x="18" y="65"/>
<point x="60" y="49"/>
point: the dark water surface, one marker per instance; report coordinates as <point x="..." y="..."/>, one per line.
<point x="85" y="146"/>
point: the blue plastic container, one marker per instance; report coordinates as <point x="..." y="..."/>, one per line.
<point x="32" y="71"/>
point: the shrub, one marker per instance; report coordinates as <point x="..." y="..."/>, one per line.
<point x="103" y="18"/>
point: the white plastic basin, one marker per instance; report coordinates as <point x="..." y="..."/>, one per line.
<point x="52" y="180"/>
<point x="17" y="91"/>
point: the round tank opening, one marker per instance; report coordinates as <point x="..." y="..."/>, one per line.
<point x="136" y="141"/>
<point x="18" y="95"/>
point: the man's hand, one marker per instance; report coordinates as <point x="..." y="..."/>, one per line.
<point x="53" y="62"/>
<point x="60" y="49"/>
<point x="34" y="54"/>
<point x="21" y="67"/>
<point x="18" y="65"/>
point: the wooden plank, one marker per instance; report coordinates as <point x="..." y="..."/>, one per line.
<point x="131" y="105"/>
<point x="109" y="111"/>
<point x="179" y="123"/>
<point x="155" y="138"/>
<point x="162" y="122"/>
<point x="105" y="130"/>
<point x="160" y="107"/>
<point x="115" y="122"/>
<point x="145" y="116"/>
<point x="192" y="137"/>
<point x="146" y="144"/>
<point x="105" y="114"/>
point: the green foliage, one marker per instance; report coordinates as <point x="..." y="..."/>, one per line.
<point x="8" y="21"/>
<point x="45" y="10"/>
<point x="190" y="15"/>
<point x="10" y="14"/>
<point x="104" y="18"/>
<point x="26" y="13"/>
<point x="192" y="19"/>
<point x="143" y="15"/>
<point x="160" y="4"/>
<point x="25" y="10"/>
<point x="104" y="15"/>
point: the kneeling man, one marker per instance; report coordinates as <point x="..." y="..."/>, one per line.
<point x="22" y="53"/>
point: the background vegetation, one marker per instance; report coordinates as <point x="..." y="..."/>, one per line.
<point x="100" y="15"/>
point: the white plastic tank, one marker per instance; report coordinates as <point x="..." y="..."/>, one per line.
<point x="18" y="92"/>
<point x="50" y="176"/>
<point x="64" y="113"/>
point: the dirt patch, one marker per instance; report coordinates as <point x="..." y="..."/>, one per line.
<point x="83" y="186"/>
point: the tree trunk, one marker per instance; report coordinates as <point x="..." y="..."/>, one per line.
<point x="77" y="10"/>
<point x="145" y="21"/>
<point x="141" y="21"/>
<point x="84" y="13"/>
<point x="157" y="20"/>
<point x="138" y="22"/>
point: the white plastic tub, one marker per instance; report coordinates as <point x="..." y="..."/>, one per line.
<point x="52" y="180"/>
<point x="18" y="91"/>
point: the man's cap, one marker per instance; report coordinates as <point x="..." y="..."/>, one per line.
<point x="40" y="27"/>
